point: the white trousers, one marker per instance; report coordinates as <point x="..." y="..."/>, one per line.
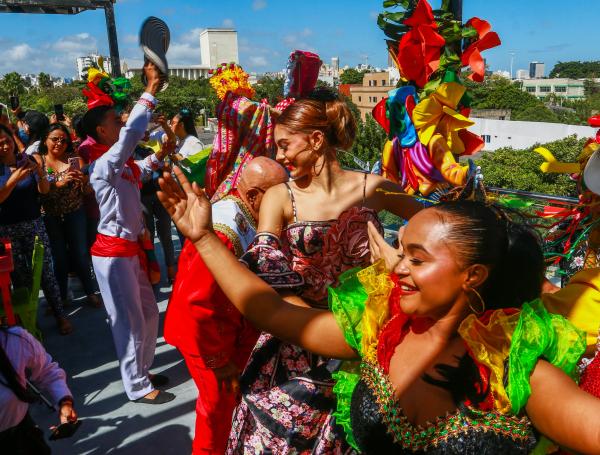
<point x="133" y="315"/>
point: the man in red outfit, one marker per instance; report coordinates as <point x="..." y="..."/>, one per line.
<point x="213" y="337"/>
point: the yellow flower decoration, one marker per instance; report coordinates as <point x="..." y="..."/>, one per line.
<point x="436" y="114"/>
<point x="230" y="77"/>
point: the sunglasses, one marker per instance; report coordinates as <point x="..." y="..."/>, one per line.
<point x="58" y="140"/>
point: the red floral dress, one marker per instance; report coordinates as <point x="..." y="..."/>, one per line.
<point x="288" y="401"/>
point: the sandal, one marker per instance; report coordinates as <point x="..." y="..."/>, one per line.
<point x="160" y="398"/>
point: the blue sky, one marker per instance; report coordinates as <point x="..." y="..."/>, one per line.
<point x="268" y="30"/>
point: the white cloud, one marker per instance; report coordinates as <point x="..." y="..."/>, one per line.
<point x="131" y="39"/>
<point x="259" y="4"/>
<point x="228" y="23"/>
<point x="258" y="61"/>
<point x="19" y="52"/>
<point x="306" y="32"/>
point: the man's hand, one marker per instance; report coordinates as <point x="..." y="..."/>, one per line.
<point x="187" y="205"/>
<point x="228" y="378"/>
<point x="152" y="77"/>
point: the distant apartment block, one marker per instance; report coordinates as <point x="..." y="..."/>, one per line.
<point x="537" y="70"/>
<point x="373" y="89"/>
<point x="92" y="60"/>
<point x="567" y="88"/>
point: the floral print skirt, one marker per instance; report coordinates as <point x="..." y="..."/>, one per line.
<point x="287" y="403"/>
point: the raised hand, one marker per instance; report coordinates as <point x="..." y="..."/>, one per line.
<point x="187" y="205"/>
<point x="380" y="249"/>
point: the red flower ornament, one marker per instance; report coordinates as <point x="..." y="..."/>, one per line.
<point x="420" y="48"/>
<point x="472" y="54"/>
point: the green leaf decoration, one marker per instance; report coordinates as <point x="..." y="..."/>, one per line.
<point x="469" y="32"/>
<point x="395" y="17"/>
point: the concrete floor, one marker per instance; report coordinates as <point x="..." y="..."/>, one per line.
<point x="111" y="423"/>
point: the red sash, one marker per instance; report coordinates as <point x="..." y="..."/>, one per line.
<point x="107" y="246"/>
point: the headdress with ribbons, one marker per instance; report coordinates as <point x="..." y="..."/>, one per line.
<point x="101" y="90"/>
<point x="427" y="116"/>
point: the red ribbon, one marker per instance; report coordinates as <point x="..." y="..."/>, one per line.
<point x="97" y="150"/>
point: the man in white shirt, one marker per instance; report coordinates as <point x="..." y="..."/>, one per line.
<point x="117" y="254"/>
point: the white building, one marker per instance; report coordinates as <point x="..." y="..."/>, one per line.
<point x="567" y="88"/>
<point x="218" y="45"/>
<point x="522" y="74"/>
<point x="521" y="135"/>
<point x="537" y="70"/>
<point x="84" y="63"/>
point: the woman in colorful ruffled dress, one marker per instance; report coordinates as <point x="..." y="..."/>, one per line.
<point x="311" y="230"/>
<point x="452" y="352"/>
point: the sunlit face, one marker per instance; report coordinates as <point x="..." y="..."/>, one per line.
<point x="7" y="147"/>
<point x="56" y="142"/>
<point x="429" y="274"/>
<point x="294" y="152"/>
<point x="177" y="127"/>
<point x="110" y="127"/>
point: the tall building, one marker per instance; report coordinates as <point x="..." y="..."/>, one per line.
<point x="84" y="63"/>
<point x="218" y="45"/>
<point x="537" y="70"/>
<point x="335" y="64"/>
<point x="374" y="88"/>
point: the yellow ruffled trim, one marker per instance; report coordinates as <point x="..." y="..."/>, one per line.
<point x="490" y="344"/>
<point x="378" y="285"/>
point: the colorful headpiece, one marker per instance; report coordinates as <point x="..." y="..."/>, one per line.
<point x="230" y="77"/>
<point x="426" y="118"/>
<point x="101" y="90"/>
<point x="301" y="74"/>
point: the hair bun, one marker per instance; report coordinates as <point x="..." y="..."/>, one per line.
<point x="323" y="94"/>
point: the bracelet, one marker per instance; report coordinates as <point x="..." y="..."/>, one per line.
<point x="147" y="103"/>
<point x="66" y="400"/>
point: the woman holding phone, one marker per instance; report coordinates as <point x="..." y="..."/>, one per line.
<point x="64" y="214"/>
<point x="22" y="181"/>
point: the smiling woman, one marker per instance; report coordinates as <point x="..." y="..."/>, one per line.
<point x="489" y="372"/>
<point x="64" y="215"/>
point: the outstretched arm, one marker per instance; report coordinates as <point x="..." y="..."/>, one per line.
<point x="314" y="330"/>
<point x="384" y="194"/>
<point x="562" y="411"/>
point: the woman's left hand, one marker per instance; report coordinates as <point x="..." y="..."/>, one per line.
<point x="380" y="249"/>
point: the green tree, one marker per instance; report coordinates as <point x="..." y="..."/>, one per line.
<point x="576" y="70"/>
<point x="520" y="169"/>
<point x="500" y="93"/>
<point x="271" y="88"/>
<point x="44" y="80"/>
<point x="352" y="76"/>
<point x="12" y="84"/>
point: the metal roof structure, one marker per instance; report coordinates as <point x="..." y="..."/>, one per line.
<point x="51" y="6"/>
<point x="71" y="7"/>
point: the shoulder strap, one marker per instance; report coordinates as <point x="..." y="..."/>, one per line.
<point x="364" y="199"/>
<point x="289" y="188"/>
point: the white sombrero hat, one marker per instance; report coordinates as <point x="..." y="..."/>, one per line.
<point x="155" y="38"/>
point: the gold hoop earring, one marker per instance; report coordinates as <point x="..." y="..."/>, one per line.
<point x="481" y="301"/>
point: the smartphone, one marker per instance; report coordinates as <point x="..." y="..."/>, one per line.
<point x="64" y="430"/>
<point x="74" y="164"/>
<point x="14" y="102"/>
<point x="59" y="111"/>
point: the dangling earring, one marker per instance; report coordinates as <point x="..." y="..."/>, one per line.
<point x="481" y="303"/>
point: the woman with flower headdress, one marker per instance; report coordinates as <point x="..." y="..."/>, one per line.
<point x="118" y="254"/>
<point x="476" y="365"/>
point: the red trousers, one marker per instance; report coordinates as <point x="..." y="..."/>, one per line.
<point x="214" y="409"/>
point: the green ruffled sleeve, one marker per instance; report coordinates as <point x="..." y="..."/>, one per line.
<point x="540" y="335"/>
<point x="347" y="302"/>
